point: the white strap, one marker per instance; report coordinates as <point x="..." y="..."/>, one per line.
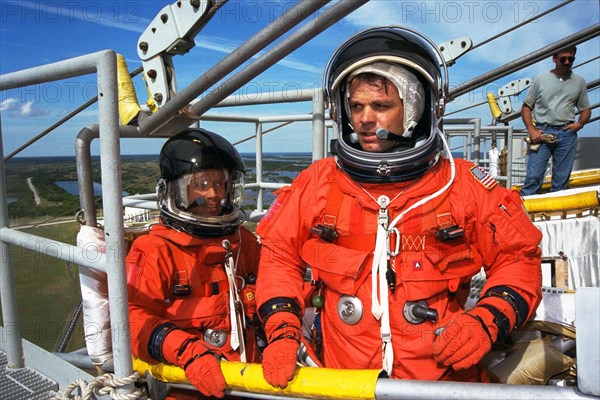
<point x="386" y="331"/>
<point x="235" y="306"/>
<point x="379" y="261"/>
<point x="380" y="306"/>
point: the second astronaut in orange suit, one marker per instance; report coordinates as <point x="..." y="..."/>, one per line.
<point x="393" y="230"/>
<point x="191" y="279"/>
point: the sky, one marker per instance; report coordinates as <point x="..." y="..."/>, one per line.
<point x="34" y="33"/>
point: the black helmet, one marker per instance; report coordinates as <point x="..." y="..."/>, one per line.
<point x="183" y="158"/>
<point x="385" y="51"/>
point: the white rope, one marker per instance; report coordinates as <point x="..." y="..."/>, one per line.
<point x="237" y="329"/>
<point x="103" y="385"/>
<point x="437" y="193"/>
<point x="379" y="287"/>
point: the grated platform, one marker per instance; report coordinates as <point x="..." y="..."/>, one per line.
<point x="24" y="383"/>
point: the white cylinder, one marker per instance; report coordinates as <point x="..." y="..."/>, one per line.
<point x="494" y="156"/>
<point x="94" y="296"/>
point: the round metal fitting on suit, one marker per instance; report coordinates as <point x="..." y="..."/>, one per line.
<point x="350" y="310"/>
<point x="416" y="312"/>
<point x="216" y="338"/>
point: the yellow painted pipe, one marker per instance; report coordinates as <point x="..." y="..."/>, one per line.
<point x="312" y="383"/>
<point x="563" y="203"/>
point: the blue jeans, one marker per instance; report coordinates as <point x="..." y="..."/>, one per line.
<point x="563" y="157"/>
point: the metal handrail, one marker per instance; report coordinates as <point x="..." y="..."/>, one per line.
<point x="103" y="64"/>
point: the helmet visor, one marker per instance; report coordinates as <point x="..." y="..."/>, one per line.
<point x="208" y="196"/>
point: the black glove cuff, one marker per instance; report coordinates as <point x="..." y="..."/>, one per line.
<point x="278" y="304"/>
<point x="501" y="321"/>
<point x="156" y="340"/>
<point x="516" y="301"/>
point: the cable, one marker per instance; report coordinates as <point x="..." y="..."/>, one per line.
<point x="521" y="24"/>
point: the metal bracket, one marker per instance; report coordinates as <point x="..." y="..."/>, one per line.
<point x="455" y="48"/>
<point x="513" y="88"/>
<point x="171" y="32"/>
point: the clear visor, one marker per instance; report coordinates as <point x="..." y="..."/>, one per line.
<point x="209" y="196"/>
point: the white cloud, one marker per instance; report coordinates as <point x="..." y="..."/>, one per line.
<point x="26" y="109"/>
<point x="8" y="105"/>
<point x="12" y="107"/>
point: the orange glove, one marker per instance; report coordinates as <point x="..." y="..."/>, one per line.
<point x="205" y="374"/>
<point x="198" y="359"/>
<point x="466" y="339"/>
<point x="279" y="358"/>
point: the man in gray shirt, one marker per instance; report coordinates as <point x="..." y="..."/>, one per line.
<point x="550" y="108"/>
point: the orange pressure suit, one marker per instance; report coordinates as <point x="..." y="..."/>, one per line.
<point x="178" y="279"/>
<point x="498" y="236"/>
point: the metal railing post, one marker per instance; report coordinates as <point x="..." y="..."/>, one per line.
<point x="10" y="316"/>
<point x="318" y="125"/>
<point x="509" y="163"/>
<point x="110" y="164"/>
<point x="476" y="140"/>
<point x="259" y="166"/>
<point x="83" y="158"/>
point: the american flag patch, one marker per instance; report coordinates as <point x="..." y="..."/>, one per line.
<point x="483" y="177"/>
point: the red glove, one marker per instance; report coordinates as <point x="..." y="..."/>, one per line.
<point x="198" y="359"/>
<point x="205" y="374"/>
<point x="279" y="358"/>
<point x="466" y="339"/>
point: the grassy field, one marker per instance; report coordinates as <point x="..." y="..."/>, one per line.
<point x="47" y="289"/>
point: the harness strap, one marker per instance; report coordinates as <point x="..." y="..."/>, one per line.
<point x="380" y="305"/>
<point x="332" y="208"/>
<point x="207" y="289"/>
<point x="235" y="305"/>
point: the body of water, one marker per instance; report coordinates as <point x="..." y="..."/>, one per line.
<point x="72" y="187"/>
<point x="277" y="167"/>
